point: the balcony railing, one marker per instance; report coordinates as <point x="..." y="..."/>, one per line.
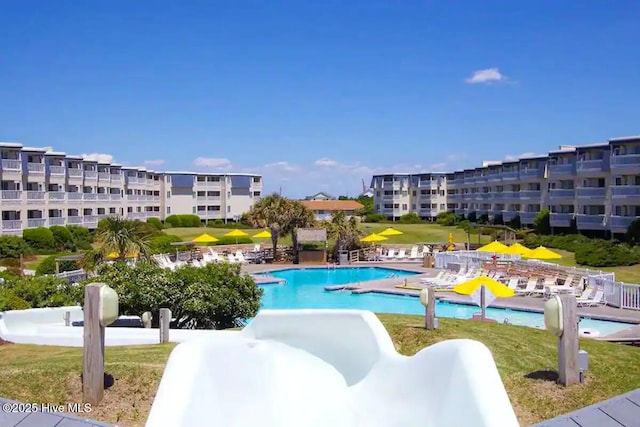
<point x="622" y="222"/>
<point x="11" y="165"/>
<point x="561" y="219"/>
<point x="132" y="179"/>
<point x="35" y="167"/>
<point x="562" y="193"/>
<point x="142" y="181"/>
<point x="11" y="225"/>
<point x="510" y="175"/>
<point x="103" y="196"/>
<point x="36" y="222"/>
<point x="562" y="169"/>
<point x="74" y="196"/>
<point x="494" y="177"/>
<point x="104" y="176"/>
<point x="531" y="173"/>
<point x="74" y="220"/>
<point x="590" y="165"/>
<point x="90" y="219"/>
<point x="57" y="170"/>
<point x="115" y="177"/>
<point x="527" y="217"/>
<point x="590" y="222"/>
<point x="626" y="161"/>
<point x="510" y="194"/>
<point x="56" y="196"/>
<point x="75" y="172"/>
<point x="56" y="220"/>
<point x="35" y="195"/>
<point x="625" y="191"/>
<point x="115" y="197"/>
<point x="90" y="196"/>
<point x="132" y="197"/>
<point x="530" y="194"/>
<point x="508" y="215"/>
<point x="89" y="174"/>
<point x="11" y="195"/>
<point x="599" y="192"/>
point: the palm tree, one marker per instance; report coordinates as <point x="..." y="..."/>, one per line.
<point x="345" y="232"/>
<point x="123" y="237"/>
<point x="271" y="212"/>
<point x="299" y="216"/>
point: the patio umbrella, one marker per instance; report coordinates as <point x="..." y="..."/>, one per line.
<point x="451" y="245"/>
<point x="373" y="237"/>
<point x="542" y="253"/>
<point x="266" y="234"/>
<point x="390" y="232"/>
<point x="112" y="255"/>
<point x="483" y="291"/>
<point x="204" y="238"/>
<point x="517" y="249"/>
<point x="236" y="233"/>
<point x="495" y="247"/>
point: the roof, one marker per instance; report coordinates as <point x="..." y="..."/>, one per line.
<point x="322" y="193"/>
<point x="305" y="235"/>
<point x="332" y="205"/>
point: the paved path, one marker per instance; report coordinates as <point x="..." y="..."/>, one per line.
<point x="13" y="414"/>
<point x="621" y="411"/>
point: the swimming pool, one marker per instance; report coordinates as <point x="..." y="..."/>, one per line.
<point x="304" y="288"/>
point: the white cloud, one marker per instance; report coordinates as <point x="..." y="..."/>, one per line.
<point x="488" y="75"/>
<point x="212" y="162"/>
<point x="511" y="157"/>
<point x="282" y="166"/>
<point x="326" y="162"/>
<point x="157" y="162"/>
<point x="98" y="157"/>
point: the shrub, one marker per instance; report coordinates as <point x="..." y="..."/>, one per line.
<point x="225" y="240"/>
<point x="173" y="221"/>
<point x="376" y="217"/>
<point x="40" y="238"/>
<point x="515" y="223"/>
<point x="176" y="221"/>
<point x="62" y="238"/>
<point x="162" y="244"/>
<point x="39" y="291"/>
<point x="13" y="246"/>
<point x="48" y="265"/>
<point x="472" y="217"/>
<point x="218" y="223"/>
<point x="605" y="253"/>
<point x="410" y="218"/>
<point x="633" y="232"/>
<point x="483" y="219"/>
<point x="10" y="301"/>
<point x="542" y="222"/>
<point x="498" y="220"/>
<point x="155" y="222"/>
<point x="448" y="218"/>
<point x="82" y="237"/>
<point x="214" y="296"/>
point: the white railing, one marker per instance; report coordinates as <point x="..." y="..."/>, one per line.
<point x="35" y="167"/>
<point x="73" y="276"/>
<point x="557" y="193"/>
<point x="90" y="219"/>
<point x="11" y="195"/>
<point x="11" y="165"/>
<point x="632" y="160"/>
<point x="132" y="197"/>
<point x="57" y="170"/>
<point x="74" y="195"/>
<point x="56" y="196"/>
<point x="104" y="176"/>
<point x="35" y="195"/>
<point x="468" y="258"/>
<point x="89" y="196"/>
<point x="11" y="224"/>
<point x="617" y="294"/>
<point x="625" y="190"/>
<point x="75" y="172"/>
<point x="90" y="174"/>
<point x="622" y="221"/>
<point x="116" y="177"/>
<point x="115" y="197"/>
<point x="36" y="222"/>
<point x="593" y="164"/>
<point x="56" y="220"/>
<point x="591" y="191"/>
<point x="74" y="220"/>
<point x="103" y="196"/>
<point x="132" y="179"/>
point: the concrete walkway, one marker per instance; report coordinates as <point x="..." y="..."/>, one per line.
<point x="16" y="414"/>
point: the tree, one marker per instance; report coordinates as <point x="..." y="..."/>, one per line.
<point x="271" y="212"/>
<point x="299" y="216"/>
<point x="344" y="231"/>
<point x="123" y="237"/>
<point x="541" y="222"/>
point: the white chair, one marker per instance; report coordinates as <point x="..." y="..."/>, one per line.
<point x="597" y="299"/>
<point x="240" y="257"/>
<point x="391" y="255"/>
<point x="427" y="280"/>
<point x="529" y="288"/>
<point x="402" y="255"/>
<point x="414" y="254"/>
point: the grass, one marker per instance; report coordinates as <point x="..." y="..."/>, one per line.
<point x="32" y="373"/>
<point x="630" y="274"/>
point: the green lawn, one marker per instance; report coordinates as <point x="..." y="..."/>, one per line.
<point x="629" y="274"/>
<point x="52" y="374"/>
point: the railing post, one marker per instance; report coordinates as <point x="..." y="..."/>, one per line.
<point x="165" y="320"/>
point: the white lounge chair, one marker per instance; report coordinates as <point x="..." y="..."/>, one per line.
<point x="427" y="280"/>
<point x="597" y="299"/>
<point x="240" y="257"/>
<point x="391" y="255"/>
<point x="414" y="254"/>
<point x="529" y="288"/>
<point x="402" y="255"/>
<point x="513" y="283"/>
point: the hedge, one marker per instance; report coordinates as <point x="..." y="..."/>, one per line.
<point x="177" y="221"/>
<point x="62" y="238"/>
<point x="40" y="238"/>
<point x="162" y="244"/>
<point x="376" y="217"/>
<point x="155" y="222"/>
<point x="12" y="247"/>
<point x="48" y="265"/>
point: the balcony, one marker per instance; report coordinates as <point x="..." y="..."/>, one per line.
<point x="561" y="219"/>
<point x="427" y="212"/>
<point x="597" y="192"/>
<point x="104" y="176"/>
<point x="35" y="196"/>
<point x="494" y="177"/>
<point x="89" y="174"/>
<point x="132" y="179"/>
<point x="57" y="170"/>
<point x="74" y="172"/>
<point x="531" y="173"/>
<point x="508" y="215"/>
<point x="11" y="195"/>
<point x="56" y="220"/>
<point x="36" y="168"/>
<point x="469" y="180"/>
<point x="90" y="219"/>
<point x="622" y="162"/>
<point x="115" y="177"/>
<point x="142" y="181"/>
<point x="625" y="191"/>
<point x="74" y="220"/>
<point x="115" y="197"/>
<point x="592" y="165"/>
<point x="11" y="225"/>
<point x="507" y="175"/>
<point x="103" y="197"/>
<point x="527" y="217"/>
<point x="36" y="222"/>
<point x="510" y="194"/>
<point x="11" y="165"/>
<point x="132" y="197"/>
<point x="562" y="169"/>
<point x="562" y="193"/>
<point x="591" y="222"/>
<point x="56" y="196"/>
<point x="90" y="197"/>
<point x="485" y="196"/>
<point x="530" y="194"/>
<point x="74" y="196"/>
<point x="621" y="223"/>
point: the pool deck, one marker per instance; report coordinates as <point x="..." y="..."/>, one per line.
<point x="389" y="286"/>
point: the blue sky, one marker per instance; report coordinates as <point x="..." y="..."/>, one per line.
<point x="317" y="95"/>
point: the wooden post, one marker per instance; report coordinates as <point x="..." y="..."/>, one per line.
<point x="57" y="267"/>
<point x="483" y="300"/>
<point x="568" y="344"/>
<point x="93" y="347"/>
<point x="165" y="320"/>
<point x="430" y="309"/>
<point x="67" y="318"/>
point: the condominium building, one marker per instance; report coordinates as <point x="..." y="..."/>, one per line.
<point x="45" y="188"/>
<point x="594" y="188"/>
<point x="400" y="193"/>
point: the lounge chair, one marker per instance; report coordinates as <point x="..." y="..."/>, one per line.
<point x="529" y="288"/>
<point x="414" y="254"/>
<point x="513" y="283"/>
<point x="402" y="255"/>
<point x="391" y="255"/>
<point x="598" y="299"/>
<point x="240" y="257"/>
<point x="427" y="280"/>
<point x="585" y="295"/>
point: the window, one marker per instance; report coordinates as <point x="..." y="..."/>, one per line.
<point x="193" y="209"/>
<point x="442" y="206"/>
<point x="168" y="209"/>
<point x="228" y="208"/>
<point x="414" y="193"/>
<point x="168" y="194"/>
<point x="404" y="206"/>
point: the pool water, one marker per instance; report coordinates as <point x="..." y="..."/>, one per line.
<point x="304" y="288"/>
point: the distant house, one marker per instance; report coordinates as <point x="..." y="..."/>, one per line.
<point x="366" y="193"/>
<point x="320" y="196"/>
<point x="323" y="209"/>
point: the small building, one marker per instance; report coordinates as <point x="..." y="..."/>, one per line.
<point x="320" y="196"/>
<point x="367" y="193"/>
<point x="323" y="209"/>
<point x="311" y="246"/>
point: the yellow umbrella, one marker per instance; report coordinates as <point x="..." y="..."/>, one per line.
<point x="479" y="287"/>
<point x="236" y="233"/>
<point x="266" y="234"/>
<point x="451" y="245"/>
<point x="390" y="232"/>
<point x="542" y="253"/>
<point x="116" y="255"/>
<point x="204" y="238"/>
<point x="495" y="246"/>
<point x="517" y="249"/>
<point x="373" y="237"/>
